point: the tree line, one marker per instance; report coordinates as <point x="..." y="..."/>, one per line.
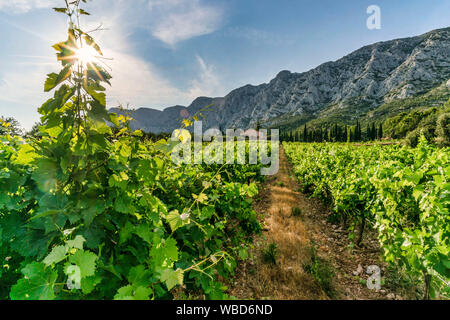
<point x="335" y="133"/>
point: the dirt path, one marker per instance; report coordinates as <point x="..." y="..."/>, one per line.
<point x="294" y="235"/>
<point x="257" y="279"/>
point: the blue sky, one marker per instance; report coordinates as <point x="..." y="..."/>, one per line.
<point x="168" y="52"/>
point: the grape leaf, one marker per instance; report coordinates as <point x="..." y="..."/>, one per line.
<point x="164" y="253"/>
<point x="58" y="254"/>
<point x="144" y="232"/>
<point x="172" y="278"/>
<point x="86" y="261"/>
<point x="124" y="293"/>
<point x="139" y="276"/>
<point x="38" y="284"/>
<point x="131" y="293"/>
<point x="76" y="243"/>
<point x="175" y="221"/>
<point x="88" y="284"/>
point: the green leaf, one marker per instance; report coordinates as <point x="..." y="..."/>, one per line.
<point x="171" y="249"/>
<point x="125" y="151"/>
<point x="202" y="198"/>
<point x="88" y="284"/>
<point x="86" y="261"/>
<point x="132" y="293"/>
<point x="50" y="83"/>
<point x="65" y="73"/>
<point x="38" y="284"/>
<point x="31" y="243"/>
<point x="124" y="205"/>
<point x="164" y="253"/>
<point x="100" y="97"/>
<point x="114" y="119"/>
<point x="126" y="232"/>
<point x="140" y="276"/>
<point x="25" y="155"/>
<point x="61" y="10"/>
<point x="175" y="220"/>
<point x="124" y="293"/>
<point x="142" y="293"/>
<point x="82" y="12"/>
<point x="90" y="208"/>
<point x="76" y="243"/>
<point x="53" y="79"/>
<point x="172" y="277"/>
<point x="144" y="232"/>
<point x="156" y="208"/>
<point x="90" y="42"/>
<point x="45" y="214"/>
<point x="99" y="113"/>
<point x="57" y="254"/>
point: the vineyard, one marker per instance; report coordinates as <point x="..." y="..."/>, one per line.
<point x="132" y="225"/>
<point x="93" y="210"/>
<point x="402" y="193"/>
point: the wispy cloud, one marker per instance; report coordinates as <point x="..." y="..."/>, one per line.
<point x="137" y="83"/>
<point x="21" y="91"/>
<point x="257" y="36"/>
<point x="17" y="88"/>
<point x="208" y="83"/>
<point x="179" y="20"/>
<point x="22" y="6"/>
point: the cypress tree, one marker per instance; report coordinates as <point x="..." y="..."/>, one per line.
<point x="380" y="131"/>
<point x="358" y="135"/>
<point x="374" y="131"/>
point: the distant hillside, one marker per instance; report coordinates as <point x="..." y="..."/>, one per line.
<point x="362" y="85"/>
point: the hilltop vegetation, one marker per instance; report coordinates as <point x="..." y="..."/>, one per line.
<point x="417" y="118"/>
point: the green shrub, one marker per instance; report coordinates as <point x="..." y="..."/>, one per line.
<point x="321" y="270"/>
<point x="271" y="253"/>
<point x="296" y="212"/>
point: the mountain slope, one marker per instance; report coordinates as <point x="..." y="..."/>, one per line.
<point x="355" y="84"/>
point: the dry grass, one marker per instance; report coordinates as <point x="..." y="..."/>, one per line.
<point x="286" y="280"/>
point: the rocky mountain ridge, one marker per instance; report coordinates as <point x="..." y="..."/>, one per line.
<point x="362" y="81"/>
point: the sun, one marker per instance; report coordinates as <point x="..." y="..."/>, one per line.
<point x="86" y="55"/>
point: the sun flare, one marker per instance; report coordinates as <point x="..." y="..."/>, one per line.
<point x="86" y="55"/>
